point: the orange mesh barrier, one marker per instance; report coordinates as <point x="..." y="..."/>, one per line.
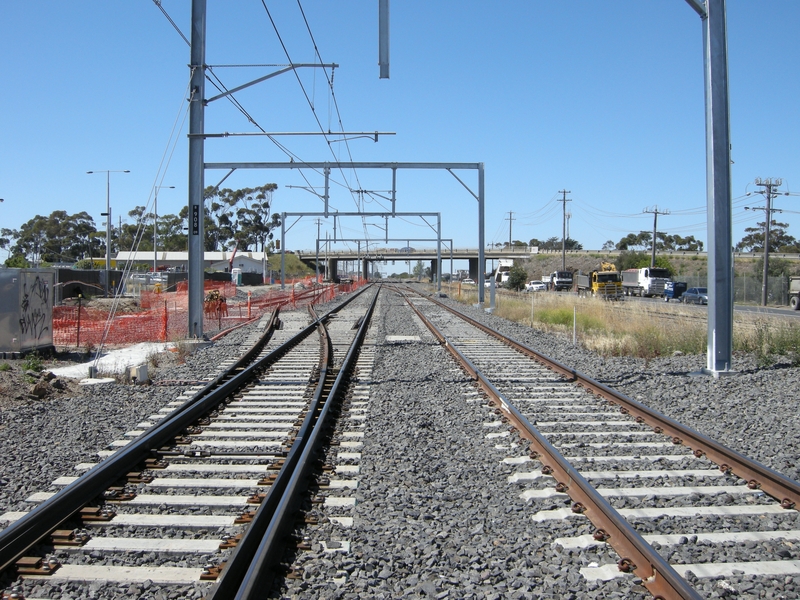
<point x="164" y="317"/>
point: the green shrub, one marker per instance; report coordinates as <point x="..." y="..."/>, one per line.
<point x="33" y="362"/>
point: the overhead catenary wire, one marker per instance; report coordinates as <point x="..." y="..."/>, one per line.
<point x="217" y="83"/>
<point x="166" y="159"/>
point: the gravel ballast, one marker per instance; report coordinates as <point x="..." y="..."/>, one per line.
<point x="435" y="516"/>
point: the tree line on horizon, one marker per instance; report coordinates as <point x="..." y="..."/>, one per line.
<point x="753" y="241"/>
<point x="233" y="218"/>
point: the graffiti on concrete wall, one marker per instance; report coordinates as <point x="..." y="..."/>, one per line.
<point x="35" y="310"/>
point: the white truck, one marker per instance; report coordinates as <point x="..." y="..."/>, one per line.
<point x="645" y="282"/>
<point x="503" y="271"/>
<point x="560" y="281"/>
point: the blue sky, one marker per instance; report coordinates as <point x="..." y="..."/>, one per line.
<point x="604" y="99"/>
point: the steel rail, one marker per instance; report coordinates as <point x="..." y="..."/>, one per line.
<point x="236" y="567"/>
<point x="20" y="536"/>
<point x="757" y="475"/>
<point x="637" y="555"/>
<point x="251" y="568"/>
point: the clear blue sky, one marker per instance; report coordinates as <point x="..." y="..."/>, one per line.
<point x="604" y="99"/>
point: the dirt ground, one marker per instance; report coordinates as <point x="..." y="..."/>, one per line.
<point x="21" y="381"/>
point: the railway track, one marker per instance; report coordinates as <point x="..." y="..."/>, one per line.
<point x="199" y="499"/>
<point x="669" y="501"/>
<point x="417" y="487"/>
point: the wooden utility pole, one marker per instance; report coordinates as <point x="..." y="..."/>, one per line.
<point x="510" y="219"/>
<point x="564" y="201"/>
<point x="769" y="185"/>
<point x="655" y="213"/>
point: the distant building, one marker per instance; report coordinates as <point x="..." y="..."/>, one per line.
<point x="248" y="262"/>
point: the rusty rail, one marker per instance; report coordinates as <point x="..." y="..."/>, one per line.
<point x="636" y="554"/>
<point x="758" y="476"/>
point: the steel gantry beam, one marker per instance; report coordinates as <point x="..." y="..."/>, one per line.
<point x="300" y="215"/>
<point x="325" y="166"/>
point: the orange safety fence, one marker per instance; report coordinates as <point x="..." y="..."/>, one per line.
<point x="164" y="316"/>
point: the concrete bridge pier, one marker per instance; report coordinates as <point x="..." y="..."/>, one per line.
<point x="333" y="269"/>
<point x="364" y="268"/>
<point x="434" y="270"/>
<point x="473" y="269"/>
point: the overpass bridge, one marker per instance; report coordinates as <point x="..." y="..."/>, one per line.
<point x="364" y="257"/>
<point x="333" y="257"/>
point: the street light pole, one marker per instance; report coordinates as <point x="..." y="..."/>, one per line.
<point x="107" y="215"/>
<point x="155" y="224"/>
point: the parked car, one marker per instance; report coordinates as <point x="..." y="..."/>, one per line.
<point x="695" y="295"/>
<point x="468" y="281"/>
<point x="536" y="286"/>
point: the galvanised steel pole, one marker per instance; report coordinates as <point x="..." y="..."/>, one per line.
<point x="283" y="251"/>
<point x="439" y="252"/>
<point x="481" y="241"/>
<point x="196" y="168"/>
<point x="718" y="190"/>
<point x="108" y="228"/>
<point x="107" y="215"/>
<point x="765" y="274"/>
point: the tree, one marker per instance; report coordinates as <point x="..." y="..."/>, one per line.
<point x="609" y="245"/>
<point x="420" y="270"/>
<point x="644" y="241"/>
<point x="777" y="267"/>
<point x="218" y="223"/>
<point x="171" y="234"/>
<point x="779" y="239"/>
<point x="676" y="242"/>
<point x="554" y="243"/>
<point x="641" y="260"/>
<point x="239" y="217"/>
<point x="17" y="261"/>
<point x="134" y="236"/>
<point x="6" y="235"/>
<point x="517" y="278"/>
<point x="59" y="237"/>
<point x="635" y="241"/>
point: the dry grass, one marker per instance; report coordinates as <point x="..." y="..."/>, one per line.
<point x="642" y="329"/>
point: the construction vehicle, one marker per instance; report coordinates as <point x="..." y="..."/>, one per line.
<point x="502" y="272"/>
<point x="794" y="292"/>
<point x="561" y="280"/>
<point x="603" y="283"/>
<point x="644" y="282"/>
